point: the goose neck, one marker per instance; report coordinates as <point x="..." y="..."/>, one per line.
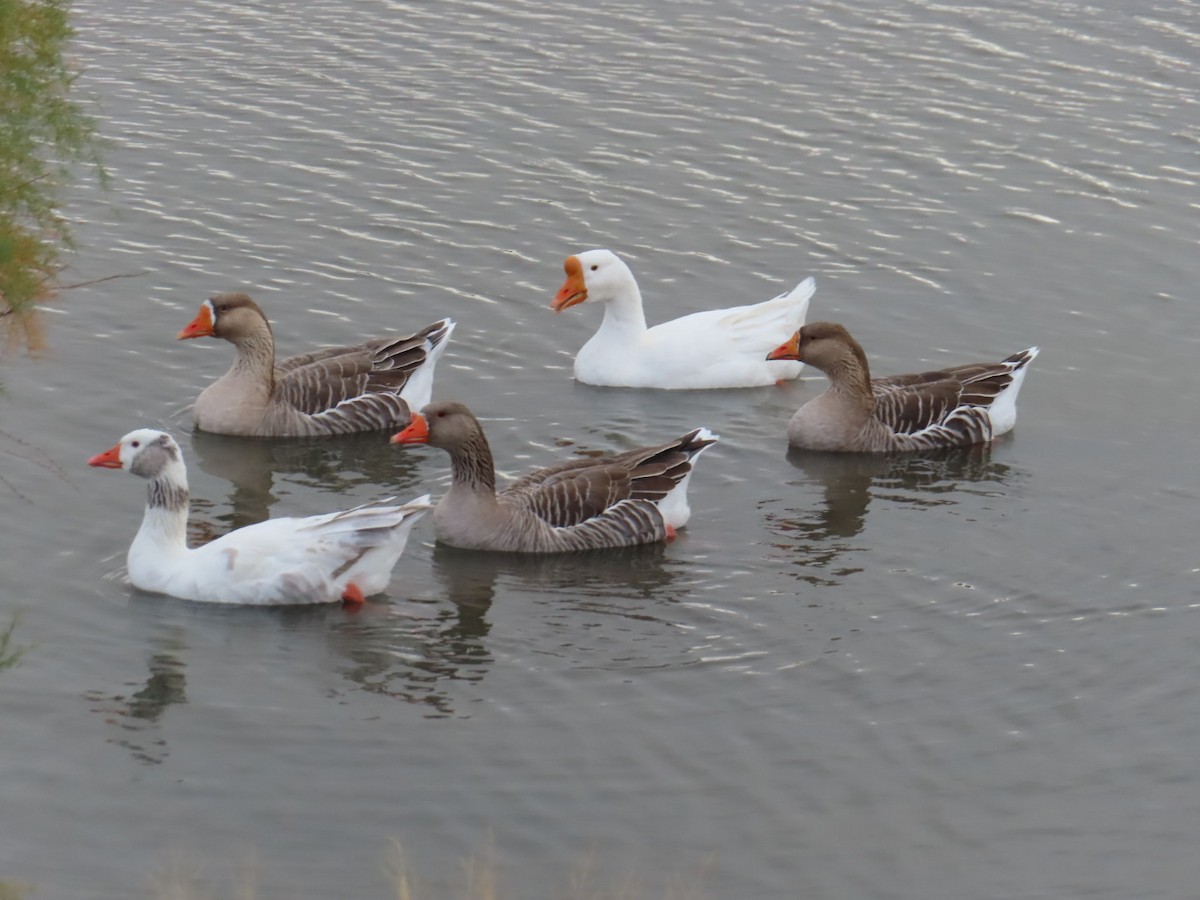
<point x="623" y="312"/>
<point x="165" y="520"/>
<point x="472" y="466"/>
<point x="255" y="356"/>
<point x="850" y="376"/>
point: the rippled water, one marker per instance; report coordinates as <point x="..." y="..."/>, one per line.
<point x="957" y="677"/>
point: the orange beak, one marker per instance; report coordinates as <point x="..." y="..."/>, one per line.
<point x="109" y="459"/>
<point x="573" y="291"/>
<point x="417" y="432"/>
<point x="789" y="349"/>
<point x="201" y="326"/>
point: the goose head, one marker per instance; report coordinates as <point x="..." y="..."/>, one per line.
<point x="442" y="424"/>
<point x="144" y="452"/>
<point x="229" y="316"/>
<point x="593" y="275"/>
<point x="823" y="345"/>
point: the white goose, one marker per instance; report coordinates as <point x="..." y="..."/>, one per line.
<point x="336" y="390"/>
<point x="719" y="348"/>
<point x="317" y="559"/>
<point x="954" y="407"/>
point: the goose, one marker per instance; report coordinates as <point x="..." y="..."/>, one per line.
<point x="368" y="387"/>
<point x="635" y="497"/>
<point x="317" y="559"/>
<point x="718" y="348"/>
<point x="954" y="407"/>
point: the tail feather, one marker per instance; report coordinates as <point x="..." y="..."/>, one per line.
<point x="369" y="517"/>
<point x="1003" y="411"/>
<point x="769" y="320"/>
<point x="419" y="389"/>
<point x="674" y="503"/>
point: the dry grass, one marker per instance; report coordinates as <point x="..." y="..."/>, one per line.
<point x="182" y="879"/>
<point x="480" y="877"/>
<point x="587" y="884"/>
<point x="399" y="873"/>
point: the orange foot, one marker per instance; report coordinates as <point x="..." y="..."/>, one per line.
<point x="352" y="596"/>
<point x="671" y="532"/>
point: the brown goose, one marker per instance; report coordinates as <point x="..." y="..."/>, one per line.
<point x="954" y="407"/>
<point x="635" y="497"/>
<point x="337" y="390"/>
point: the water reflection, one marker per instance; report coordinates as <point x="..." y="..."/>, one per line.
<point x="136" y="715"/>
<point x="823" y="533"/>
<point x="424" y="652"/>
<point x="417" y="654"/>
<point x="620" y="609"/>
<point x="18" y="479"/>
<point x="257" y="468"/>
<point x="176" y="628"/>
<point x="628" y="572"/>
<point x="413" y="651"/>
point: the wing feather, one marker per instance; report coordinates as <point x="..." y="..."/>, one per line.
<point x="356" y="388"/>
<point x="583" y="489"/>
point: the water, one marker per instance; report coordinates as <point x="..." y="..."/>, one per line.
<point x="968" y="677"/>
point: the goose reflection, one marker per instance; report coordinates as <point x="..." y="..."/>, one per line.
<point x="622" y="609"/>
<point x="136" y="715"/>
<point x="824" y="533"/>
<point x="620" y="579"/>
<point x="422" y="654"/>
<point x="414" y="649"/>
<point x="331" y="465"/>
<point x="426" y="654"/>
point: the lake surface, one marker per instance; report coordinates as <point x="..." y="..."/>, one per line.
<point x="968" y="677"/>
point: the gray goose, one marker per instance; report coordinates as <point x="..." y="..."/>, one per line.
<point x="368" y="387"/>
<point x="953" y="407"/>
<point x="635" y="497"/>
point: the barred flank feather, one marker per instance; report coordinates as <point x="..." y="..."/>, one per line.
<point x="369" y="412"/>
<point x="625" y="524"/>
<point x="962" y="427"/>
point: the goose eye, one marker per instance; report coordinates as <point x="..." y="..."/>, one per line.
<point x="135" y="444"/>
<point x="595" y="266"/>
